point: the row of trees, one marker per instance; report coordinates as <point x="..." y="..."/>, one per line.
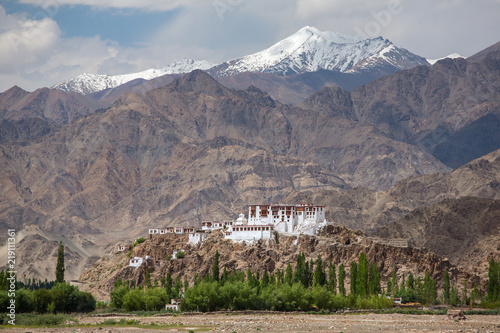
<point x="313" y="284"/>
<point x="153" y="296"/>
<point x="62" y="298"/>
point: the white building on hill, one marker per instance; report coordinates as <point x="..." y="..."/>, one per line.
<point x="197" y="237"/>
<point x="137" y="261"/>
<point x="264" y="219"/>
<point x="286" y="218"/>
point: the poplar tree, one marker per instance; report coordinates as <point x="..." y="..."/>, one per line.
<point x="319" y="273"/>
<point x="341" y="280"/>
<point x="354" y="278"/>
<point x="215" y="268"/>
<point x="60" y="263"/>
<point x="374" y="287"/>
<point x="332" y="279"/>
<point x="446" y="287"/>
<point x="147" y="278"/>
<point x="362" y="276"/>
<point x="394" y="284"/>
<point x="493" y="281"/>
<point x="464" y="292"/>
<point x="288" y="275"/>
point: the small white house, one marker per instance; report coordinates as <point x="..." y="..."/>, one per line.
<point x="197" y="237"/>
<point x="174" y="305"/>
<point x="121" y="248"/>
<point x="137" y="261"/>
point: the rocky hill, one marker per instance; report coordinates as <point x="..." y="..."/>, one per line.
<point x="465" y="230"/>
<point x="49" y="104"/>
<point x="335" y="244"/>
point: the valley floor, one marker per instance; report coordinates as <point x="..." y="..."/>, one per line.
<point x="297" y="323"/>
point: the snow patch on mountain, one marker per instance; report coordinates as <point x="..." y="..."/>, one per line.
<point x="451" y="56"/>
<point x="89" y="83"/>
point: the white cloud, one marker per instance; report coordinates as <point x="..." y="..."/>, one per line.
<point x="133" y="4"/>
<point x="24" y="41"/>
<point x="34" y="54"/>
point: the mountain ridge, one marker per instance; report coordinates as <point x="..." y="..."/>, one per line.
<point x="307" y="50"/>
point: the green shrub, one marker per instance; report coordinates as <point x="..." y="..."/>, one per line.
<point x="101" y="305"/>
<point x="42" y="320"/>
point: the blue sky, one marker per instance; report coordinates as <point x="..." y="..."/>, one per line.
<point x="43" y="42"/>
<point x="127" y="26"/>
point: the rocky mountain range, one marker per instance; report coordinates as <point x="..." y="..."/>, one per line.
<point x="103" y="168"/>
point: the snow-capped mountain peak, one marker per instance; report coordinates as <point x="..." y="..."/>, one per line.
<point x="89" y="83"/>
<point x="451" y="56"/>
<point x="310" y="49"/>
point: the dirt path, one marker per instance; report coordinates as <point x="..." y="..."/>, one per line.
<point x="297" y="323"/>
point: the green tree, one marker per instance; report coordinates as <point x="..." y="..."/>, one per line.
<point x="264" y="282"/>
<point x="354" y="278"/>
<point x="429" y="289"/>
<point x="224" y="275"/>
<point x="24" y="301"/>
<point x="446" y="288"/>
<point x="374" y="287"/>
<point x="493" y="281"/>
<point x="147" y="278"/>
<point x="302" y="271"/>
<point x="319" y="273"/>
<point x="177" y="287"/>
<point x="475" y="293"/>
<point x="362" y="276"/>
<point x="42" y="299"/>
<point x="215" y="268"/>
<point x="394" y="284"/>
<point x="342" y="291"/>
<point x="464" y="292"/>
<point x="454" y="300"/>
<point x="410" y="283"/>
<point x="60" y="264"/>
<point x="288" y="275"/>
<point x="87" y="302"/>
<point x="117" y="295"/>
<point x="134" y="300"/>
<point x="279" y="277"/>
<point x="332" y="279"/>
